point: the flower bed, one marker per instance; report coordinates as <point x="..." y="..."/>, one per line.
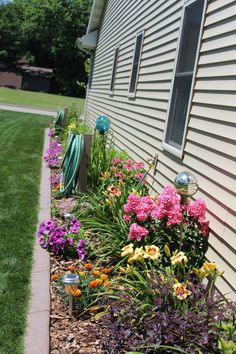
<point x="143" y="278"/>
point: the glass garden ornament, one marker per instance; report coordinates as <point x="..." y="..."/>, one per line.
<point x="102" y="124"/>
<point x="186" y="185"/>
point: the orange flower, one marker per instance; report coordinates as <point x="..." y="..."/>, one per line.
<point x="88" y="266"/>
<point x="54" y="277"/>
<point x="95" y="283"/>
<point x="104" y="277"/>
<point x="96" y="272"/>
<point x="107" y="283"/>
<point x="106" y="270"/>
<point x="77" y="293"/>
<point x="72" y="268"/>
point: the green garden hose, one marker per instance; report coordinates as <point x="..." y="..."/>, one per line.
<point x="70" y="164"/>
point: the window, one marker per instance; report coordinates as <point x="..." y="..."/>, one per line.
<point x="183" y="78"/>
<point x="92" y="57"/>
<point x="136" y="64"/>
<point x="113" y="74"/>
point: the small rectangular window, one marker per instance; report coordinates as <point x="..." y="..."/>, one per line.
<point x="136" y="64"/>
<point x="183" y="78"/>
<point x="113" y="74"/>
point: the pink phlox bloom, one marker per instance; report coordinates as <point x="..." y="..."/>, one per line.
<point x="126" y="217"/>
<point x="168" y="205"/>
<point x="197" y="209"/>
<point x="128" y="167"/>
<point x="137" y="232"/>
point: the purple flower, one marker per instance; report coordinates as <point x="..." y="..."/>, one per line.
<point x="81" y="250"/>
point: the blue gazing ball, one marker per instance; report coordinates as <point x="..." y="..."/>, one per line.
<point x="102" y="124"/>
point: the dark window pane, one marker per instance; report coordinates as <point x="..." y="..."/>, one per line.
<point x="178" y="110"/>
<point x="136" y="60"/>
<point x="190" y="36"/>
<point x="114" y="69"/>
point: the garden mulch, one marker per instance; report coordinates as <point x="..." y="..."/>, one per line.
<point x="71" y="334"/>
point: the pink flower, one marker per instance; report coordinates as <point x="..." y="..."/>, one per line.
<point x="139" y="165"/>
<point x="197" y="209"/>
<point x="126" y="217"/>
<point x="139" y="175"/>
<point x="142" y="216"/>
<point x="128" y="167"/>
<point x="116" y="160"/>
<point x="120" y="175"/>
<point x="168" y="205"/>
<point x="136" y="232"/>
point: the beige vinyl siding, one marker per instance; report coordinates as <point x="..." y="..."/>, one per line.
<point x="138" y="124"/>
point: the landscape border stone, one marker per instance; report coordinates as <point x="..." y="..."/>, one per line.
<point x="37" y="340"/>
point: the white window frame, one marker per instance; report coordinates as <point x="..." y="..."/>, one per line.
<point x="114" y="68"/>
<point x="166" y="146"/>
<point x="133" y="94"/>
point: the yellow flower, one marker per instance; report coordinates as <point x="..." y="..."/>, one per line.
<point x="107" y="283"/>
<point x="122" y="270"/>
<point x="105" y="175"/>
<point x="152" y="252"/>
<point x="178" y="258"/>
<point x="209" y="267"/>
<point x="127" y="250"/>
<point x="180" y="291"/>
<point x="201" y="272"/>
<point x="72" y="126"/>
<point x="137" y="256"/>
<point x="167" y="250"/>
<point x="96" y="272"/>
<point x="81" y="273"/>
<point x="77" y="293"/>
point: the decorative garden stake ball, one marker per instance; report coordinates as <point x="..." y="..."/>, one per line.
<point x="186" y="185"/>
<point x="67" y="215"/>
<point x="102" y="124"/>
<point x="70" y="282"/>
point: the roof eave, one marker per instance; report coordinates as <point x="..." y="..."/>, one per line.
<point x="95" y="15"/>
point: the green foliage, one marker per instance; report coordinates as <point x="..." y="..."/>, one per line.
<point x="102" y="153"/>
<point x="46" y="32"/>
<point x="10" y="34"/>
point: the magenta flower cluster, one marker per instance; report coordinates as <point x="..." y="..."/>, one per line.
<point x="52" y="132"/>
<point x="59" y="239"/>
<point x="120" y="167"/>
<point x="55" y="179"/>
<point x="168" y="208"/>
<point x="52" y="154"/>
<point x="197" y="210"/>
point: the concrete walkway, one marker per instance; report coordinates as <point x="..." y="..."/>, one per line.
<point x="24" y="109"/>
<point x="37" y="331"/>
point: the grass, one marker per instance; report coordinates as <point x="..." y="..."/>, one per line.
<point x="21" y="144"/>
<point x="38" y="99"/>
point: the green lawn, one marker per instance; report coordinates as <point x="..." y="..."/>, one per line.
<point x="21" y="144"/>
<point x="38" y="99"/>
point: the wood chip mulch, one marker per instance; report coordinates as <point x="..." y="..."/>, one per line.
<point x="71" y="334"/>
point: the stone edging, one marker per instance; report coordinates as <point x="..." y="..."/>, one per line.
<point x="37" y="331"/>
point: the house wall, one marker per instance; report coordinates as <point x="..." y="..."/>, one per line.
<point x="138" y="124"/>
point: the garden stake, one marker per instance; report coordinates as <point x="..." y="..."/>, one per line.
<point x="71" y="284"/>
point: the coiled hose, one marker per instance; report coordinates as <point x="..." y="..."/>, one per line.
<point x="70" y="164"/>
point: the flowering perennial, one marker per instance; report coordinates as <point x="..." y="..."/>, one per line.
<point x="52" y="154"/>
<point x="60" y="238"/>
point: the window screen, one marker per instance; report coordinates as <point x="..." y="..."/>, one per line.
<point x="183" y="78"/>
<point x="136" y="63"/>
<point x="113" y="75"/>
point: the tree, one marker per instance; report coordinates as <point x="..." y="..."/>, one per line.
<point x="10" y="35"/>
<point x="49" y="29"/>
